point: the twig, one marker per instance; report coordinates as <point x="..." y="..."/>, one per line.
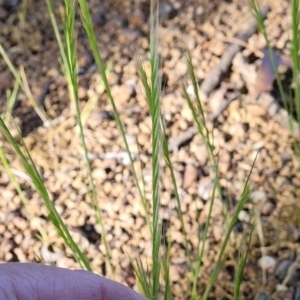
<point x="192" y="131"/>
<point x="214" y="77"/>
<point x="40" y="111"/>
<point x="236" y="41"/>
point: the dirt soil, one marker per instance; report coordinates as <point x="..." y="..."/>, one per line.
<point x="244" y="112"/>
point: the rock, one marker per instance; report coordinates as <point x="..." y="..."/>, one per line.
<point x="258" y="196"/>
<point x="282" y="269"/>
<point x="82" y="93"/>
<point x="3" y="13"/>
<point x="263" y="297"/>
<point x="19" y="252"/>
<point x="48" y="256"/>
<point x="296" y="292"/>
<point x="99" y="175"/>
<point x="217" y="48"/>
<point x="8" y="195"/>
<point x="190" y="176"/>
<point x="174" y="273"/>
<point x="205" y="188"/>
<point x="6" y="81"/>
<point x="267" y="208"/>
<point x="243" y="216"/>
<point x="209" y="29"/>
<point x="20" y="223"/>
<point x="216" y="211"/>
<point x="122" y="93"/>
<point x="267" y="262"/>
<point x="128" y="36"/>
<point x="217" y="98"/>
<point x="138" y="18"/>
<point x="85" y="60"/>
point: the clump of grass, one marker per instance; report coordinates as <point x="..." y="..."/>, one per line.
<point x="22" y="82"/>
<point x="159" y="279"/>
<point x="153" y="99"/>
<point x="241" y="263"/>
<point x="291" y="105"/>
<point x="53" y="215"/>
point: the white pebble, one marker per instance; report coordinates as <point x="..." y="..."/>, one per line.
<point x="267" y="262"/>
<point x="243" y="216"/>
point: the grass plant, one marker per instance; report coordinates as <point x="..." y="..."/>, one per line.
<point x="21" y="81"/>
<point x="159" y="280"/>
<point x="291" y="103"/>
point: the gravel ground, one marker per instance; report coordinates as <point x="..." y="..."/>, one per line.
<point x="251" y="120"/>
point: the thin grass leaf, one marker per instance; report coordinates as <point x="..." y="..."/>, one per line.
<point x="244" y="198"/>
<point x="88" y="25"/>
<point x="169" y="165"/>
<point x="241" y="267"/>
<point x="166" y="273"/>
<point x="22" y="196"/>
<point x="154" y="102"/>
<point x="64" y="60"/>
<point x="40" y="112"/>
<point x="295" y="57"/>
<point x="71" y="60"/>
<point x="143" y="278"/>
<point x="262" y="29"/>
<point x="201" y="242"/>
<point x="199" y="118"/>
<point x="11" y="100"/>
<point x="296" y="64"/>
<point x="152" y="91"/>
<point x="91" y="103"/>
<point x="144" y="79"/>
<point x="53" y="215"/>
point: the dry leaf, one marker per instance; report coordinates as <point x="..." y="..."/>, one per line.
<point x="265" y="74"/>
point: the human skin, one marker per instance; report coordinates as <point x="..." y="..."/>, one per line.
<point x="29" y="281"/>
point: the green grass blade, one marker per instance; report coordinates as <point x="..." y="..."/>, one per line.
<point x="11" y="100"/>
<point x="244" y="198"/>
<point x="197" y="268"/>
<point x="296" y="62"/>
<point x="88" y="25"/>
<point x="71" y="60"/>
<point x="166" y="273"/>
<point x="63" y="55"/>
<point x="22" y="196"/>
<point x="241" y="267"/>
<point x="169" y="165"/>
<point x="199" y="118"/>
<point x="40" y="112"/>
<point x="155" y="112"/>
<point x="53" y="215"/>
<point x="262" y="29"/>
<point x="143" y="278"/>
<point x="152" y="91"/>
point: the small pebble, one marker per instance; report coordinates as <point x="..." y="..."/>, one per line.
<point x="282" y="268"/>
<point x="6" y="81"/>
<point x="205" y="188"/>
<point x="267" y="262"/>
<point x="263" y="297"/>
<point x="267" y="208"/>
<point x="258" y="196"/>
<point x="243" y="216"/>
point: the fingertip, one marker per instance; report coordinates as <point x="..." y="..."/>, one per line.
<point x="46" y="282"/>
